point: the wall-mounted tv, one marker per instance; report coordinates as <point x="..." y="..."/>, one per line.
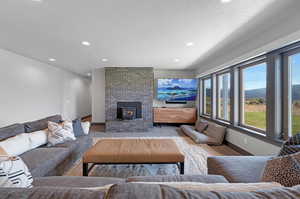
<point x="177" y="89"/>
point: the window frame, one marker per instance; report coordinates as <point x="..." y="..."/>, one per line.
<point x="241" y="96"/>
<point x="287" y="92"/>
<point x="204" y="96"/>
<point x="227" y="71"/>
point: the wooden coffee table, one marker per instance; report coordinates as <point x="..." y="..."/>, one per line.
<point x="133" y="151"/>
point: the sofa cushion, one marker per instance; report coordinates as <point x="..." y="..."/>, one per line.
<point x="180" y="178"/>
<point x="198" y="137"/>
<point x="16" y="145"/>
<point x="217" y="132"/>
<point x="238" y="169"/>
<point x="40" y="161"/>
<point x="41" y="124"/>
<point x="50" y="193"/>
<point x="136" y="190"/>
<point x="75" y="181"/>
<point x="11" y="131"/>
<point x="201" y="125"/>
<point x="284" y="170"/>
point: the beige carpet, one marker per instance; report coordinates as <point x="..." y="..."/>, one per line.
<point x="195" y="161"/>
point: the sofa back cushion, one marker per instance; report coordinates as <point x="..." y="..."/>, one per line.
<point x="135" y="190"/>
<point x="11" y="131"/>
<point x="216" y="131"/>
<point x="41" y="124"/>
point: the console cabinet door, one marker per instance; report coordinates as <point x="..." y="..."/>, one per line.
<point x="175" y="115"/>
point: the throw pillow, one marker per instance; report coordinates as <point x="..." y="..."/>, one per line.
<point x="3" y="152"/>
<point x="78" y="131"/>
<point x="16" y="145"/>
<point x="38" y="138"/>
<point x="291" y="146"/>
<point x="216" y="131"/>
<point x="86" y="127"/>
<point x="201" y="125"/>
<point x="57" y="134"/>
<point x="14" y="173"/>
<point x="284" y="170"/>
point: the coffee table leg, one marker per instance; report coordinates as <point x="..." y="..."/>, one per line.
<point x="85" y="169"/>
<point x="181" y="168"/>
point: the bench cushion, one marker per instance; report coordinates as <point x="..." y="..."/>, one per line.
<point x="134" y="151"/>
<point x="198" y="137"/>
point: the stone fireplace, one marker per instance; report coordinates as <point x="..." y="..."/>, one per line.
<point x="128" y="99"/>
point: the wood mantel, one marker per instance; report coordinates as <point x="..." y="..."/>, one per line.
<point x="175" y="115"/>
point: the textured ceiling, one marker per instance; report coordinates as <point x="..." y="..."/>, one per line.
<point x="126" y="32"/>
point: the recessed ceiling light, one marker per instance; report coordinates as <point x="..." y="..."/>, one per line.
<point x="104" y="59"/>
<point x="188" y="44"/>
<point x="89" y="74"/>
<point x="225" y="1"/>
<point x="176" y="60"/>
<point x="86" y="43"/>
<point x="52" y="59"/>
<point x="37" y="0"/>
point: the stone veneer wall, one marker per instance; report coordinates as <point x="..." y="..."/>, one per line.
<point x="128" y="84"/>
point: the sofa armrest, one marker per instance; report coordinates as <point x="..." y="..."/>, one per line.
<point x="238" y="169"/>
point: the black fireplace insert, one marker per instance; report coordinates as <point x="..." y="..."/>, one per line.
<point x="129" y="110"/>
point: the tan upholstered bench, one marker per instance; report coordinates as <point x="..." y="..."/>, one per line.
<point x="133" y="151"/>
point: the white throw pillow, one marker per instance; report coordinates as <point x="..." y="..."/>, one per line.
<point x="38" y="138"/>
<point x="86" y="127"/>
<point x="14" y="173"/>
<point x="57" y="134"/>
<point x="16" y="145"/>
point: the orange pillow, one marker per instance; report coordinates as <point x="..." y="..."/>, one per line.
<point x="3" y="152"/>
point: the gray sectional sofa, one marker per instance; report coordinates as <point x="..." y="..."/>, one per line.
<point x="44" y="160"/>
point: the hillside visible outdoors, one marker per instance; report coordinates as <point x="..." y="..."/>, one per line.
<point x="294" y="62"/>
<point x="255" y="96"/>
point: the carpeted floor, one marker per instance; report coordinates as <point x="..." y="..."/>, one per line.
<point x="195" y="155"/>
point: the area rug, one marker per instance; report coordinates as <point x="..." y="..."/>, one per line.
<point x="195" y="161"/>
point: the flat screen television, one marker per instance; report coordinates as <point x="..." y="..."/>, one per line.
<point x="177" y="89"/>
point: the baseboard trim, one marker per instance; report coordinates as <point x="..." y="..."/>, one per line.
<point x="238" y="149"/>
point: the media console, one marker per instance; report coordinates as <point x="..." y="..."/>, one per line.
<point x="175" y="115"/>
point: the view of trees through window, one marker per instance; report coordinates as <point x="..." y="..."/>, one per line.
<point x="224" y="96"/>
<point x="254" y="90"/>
<point x="294" y="62"/>
<point x="207" y="96"/>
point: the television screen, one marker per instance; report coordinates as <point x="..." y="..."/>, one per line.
<point x="177" y="89"/>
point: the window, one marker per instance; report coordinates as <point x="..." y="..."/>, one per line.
<point x="223" y="96"/>
<point x="294" y="64"/>
<point x="253" y="81"/>
<point x="207" y="94"/>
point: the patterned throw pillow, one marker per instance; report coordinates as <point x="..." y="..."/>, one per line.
<point x="284" y="170"/>
<point x="59" y="134"/>
<point x="14" y="173"/>
<point x="86" y="127"/>
<point x="291" y="146"/>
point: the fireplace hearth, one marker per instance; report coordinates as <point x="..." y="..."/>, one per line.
<point x="129" y="110"/>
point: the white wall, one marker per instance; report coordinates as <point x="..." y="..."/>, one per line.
<point x="251" y="144"/>
<point x="98" y="95"/>
<point x="31" y="90"/>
